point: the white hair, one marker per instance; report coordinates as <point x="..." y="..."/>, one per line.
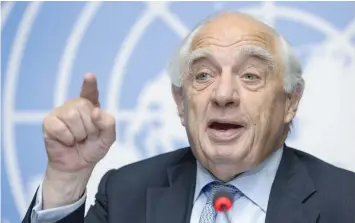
<point x="293" y="70"/>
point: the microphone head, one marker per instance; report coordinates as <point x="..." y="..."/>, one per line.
<point x="222" y="200"/>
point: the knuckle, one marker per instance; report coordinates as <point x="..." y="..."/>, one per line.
<point x="82" y="103"/>
<point x="71" y="114"/>
<point x="54" y="126"/>
<point x="111" y="121"/>
<point x="59" y="130"/>
<point x="48" y="122"/>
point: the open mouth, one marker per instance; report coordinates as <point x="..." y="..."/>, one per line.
<point x="219" y="126"/>
<point x="223" y="130"/>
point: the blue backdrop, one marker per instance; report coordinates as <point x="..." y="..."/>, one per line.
<point x="47" y="48"/>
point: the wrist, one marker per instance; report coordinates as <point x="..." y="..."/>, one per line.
<point x="61" y="189"/>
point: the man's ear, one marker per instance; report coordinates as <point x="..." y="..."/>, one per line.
<point x="293" y="100"/>
<point x="178" y="97"/>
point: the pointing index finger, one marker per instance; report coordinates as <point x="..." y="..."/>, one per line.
<point x="89" y="89"/>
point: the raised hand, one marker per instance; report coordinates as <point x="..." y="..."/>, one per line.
<point x="77" y="135"/>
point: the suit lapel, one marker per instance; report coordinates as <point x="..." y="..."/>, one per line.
<point x="174" y="203"/>
<point x="290" y="192"/>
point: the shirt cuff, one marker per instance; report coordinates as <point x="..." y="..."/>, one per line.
<point x="54" y="214"/>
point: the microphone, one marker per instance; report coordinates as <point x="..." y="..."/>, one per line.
<point x="222" y="202"/>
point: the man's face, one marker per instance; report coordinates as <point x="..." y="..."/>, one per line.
<point x="234" y="107"/>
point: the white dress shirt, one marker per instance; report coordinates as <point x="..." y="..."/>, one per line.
<point x="255" y="186"/>
<point x="251" y="207"/>
<point x="55" y="214"/>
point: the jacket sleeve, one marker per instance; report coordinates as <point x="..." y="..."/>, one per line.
<point x="99" y="211"/>
<point x="96" y="213"/>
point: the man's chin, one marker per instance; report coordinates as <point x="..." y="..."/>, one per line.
<point x="223" y="158"/>
<point x="228" y="153"/>
<point x="226" y="172"/>
<point x="228" y="158"/>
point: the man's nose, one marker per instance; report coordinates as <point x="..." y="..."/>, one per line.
<point x="225" y="93"/>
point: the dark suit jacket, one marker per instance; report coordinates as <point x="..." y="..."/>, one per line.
<point x="161" y="190"/>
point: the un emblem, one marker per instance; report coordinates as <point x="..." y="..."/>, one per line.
<point x="133" y="43"/>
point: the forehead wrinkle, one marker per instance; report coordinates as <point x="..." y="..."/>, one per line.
<point x="246" y="51"/>
<point x="207" y="37"/>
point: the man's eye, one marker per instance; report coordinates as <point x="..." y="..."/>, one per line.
<point x="202" y="76"/>
<point x="250" y="76"/>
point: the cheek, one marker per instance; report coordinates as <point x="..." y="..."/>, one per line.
<point x="195" y="113"/>
<point x="268" y="122"/>
<point x="197" y="102"/>
<point x="260" y="107"/>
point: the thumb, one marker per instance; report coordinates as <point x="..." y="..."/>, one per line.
<point x="106" y="124"/>
<point x="89" y="89"/>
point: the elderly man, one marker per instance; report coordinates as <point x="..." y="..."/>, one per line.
<point x="237" y="86"/>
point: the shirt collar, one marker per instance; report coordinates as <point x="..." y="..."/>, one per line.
<point x="255" y="184"/>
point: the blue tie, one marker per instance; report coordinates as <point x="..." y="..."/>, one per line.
<point x="209" y="213"/>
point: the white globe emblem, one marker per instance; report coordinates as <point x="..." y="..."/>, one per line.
<point x="327" y="65"/>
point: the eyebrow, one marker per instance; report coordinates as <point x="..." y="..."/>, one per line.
<point x="260" y="53"/>
<point x="199" y="54"/>
<point x="246" y="50"/>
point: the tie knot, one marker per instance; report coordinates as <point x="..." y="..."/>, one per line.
<point x="211" y="189"/>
